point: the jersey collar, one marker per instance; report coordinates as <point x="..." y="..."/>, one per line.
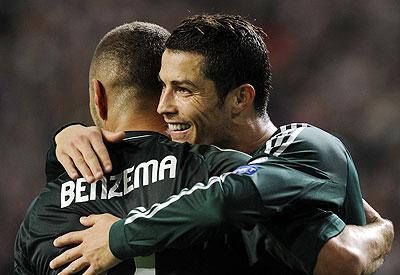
<point x="138" y="134"/>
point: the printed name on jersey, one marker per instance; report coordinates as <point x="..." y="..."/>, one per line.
<point x="247" y="169"/>
<point x="120" y="184"/>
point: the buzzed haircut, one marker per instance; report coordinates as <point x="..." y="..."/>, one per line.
<point x="234" y="50"/>
<point x="129" y="56"/>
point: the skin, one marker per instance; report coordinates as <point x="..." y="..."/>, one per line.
<point x="92" y="251"/>
<point x="190" y="100"/>
<point x="86" y="153"/>
<point x="364" y="256"/>
<point x="98" y="250"/>
<point x="189" y="103"/>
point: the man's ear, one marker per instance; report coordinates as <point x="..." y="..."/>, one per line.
<point x="243" y="98"/>
<point x="100" y="98"/>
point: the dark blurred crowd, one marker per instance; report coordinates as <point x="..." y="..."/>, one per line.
<point x="335" y="65"/>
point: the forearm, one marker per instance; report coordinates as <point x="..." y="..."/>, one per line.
<point x="241" y="200"/>
<point x="190" y="217"/>
<point x="357" y="250"/>
<point x="375" y="244"/>
<point x="173" y="224"/>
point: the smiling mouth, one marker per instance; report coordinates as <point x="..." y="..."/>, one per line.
<point x="178" y="126"/>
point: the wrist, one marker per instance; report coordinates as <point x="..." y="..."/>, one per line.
<point x="64" y="127"/>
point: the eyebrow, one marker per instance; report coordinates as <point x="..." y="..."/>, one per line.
<point x="177" y="82"/>
<point x="186" y="82"/>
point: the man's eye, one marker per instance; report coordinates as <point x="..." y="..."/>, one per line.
<point x="183" y="91"/>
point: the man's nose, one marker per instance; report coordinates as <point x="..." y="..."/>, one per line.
<point x="167" y="103"/>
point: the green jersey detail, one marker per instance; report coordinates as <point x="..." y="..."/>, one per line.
<point x="301" y="174"/>
<point x="147" y="168"/>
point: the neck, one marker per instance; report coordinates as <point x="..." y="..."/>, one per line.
<point x="136" y="121"/>
<point x="249" y="136"/>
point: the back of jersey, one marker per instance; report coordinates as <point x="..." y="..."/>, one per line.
<point x="147" y="169"/>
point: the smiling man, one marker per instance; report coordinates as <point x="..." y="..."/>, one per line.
<point x="193" y="113"/>
<point x="197" y="111"/>
<point x="148" y="166"/>
<point x="216" y="83"/>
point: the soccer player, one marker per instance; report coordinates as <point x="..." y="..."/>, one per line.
<point x="216" y="79"/>
<point x="148" y="167"/>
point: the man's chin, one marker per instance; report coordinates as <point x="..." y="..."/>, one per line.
<point x="181" y="136"/>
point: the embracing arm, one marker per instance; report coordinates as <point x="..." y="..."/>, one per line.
<point x="197" y="213"/>
<point x="190" y="217"/>
<point x="181" y="221"/>
<point x="357" y="249"/>
<point x="233" y="201"/>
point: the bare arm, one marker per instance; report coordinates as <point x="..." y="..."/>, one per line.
<point x="82" y="149"/>
<point x="357" y="249"/>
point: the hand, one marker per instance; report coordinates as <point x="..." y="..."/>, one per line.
<point x="357" y="249"/>
<point x="82" y="149"/>
<point x="386" y="226"/>
<point x="370" y="214"/>
<point x="93" y="251"/>
<point x="383" y="245"/>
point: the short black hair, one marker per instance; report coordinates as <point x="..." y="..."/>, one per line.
<point x="131" y="53"/>
<point x="234" y="50"/>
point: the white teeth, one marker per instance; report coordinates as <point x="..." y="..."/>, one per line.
<point x="178" y="127"/>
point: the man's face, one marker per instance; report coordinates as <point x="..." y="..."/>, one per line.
<point x="189" y="101"/>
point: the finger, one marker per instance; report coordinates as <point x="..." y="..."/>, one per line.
<point x="75" y="266"/>
<point x="113" y="137"/>
<point x="368" y="207"/>
<point x="88" y="221"/>
<point x="69" y="238"/>
<point x="101" y="151"/>
<point x="91" y="271"/>
<point x="69" y="166"/>
<point x="66" y="257"/>
<point x="81" y="165"/>
<point x="370" y="213"/>
<point x="91" y="159"/>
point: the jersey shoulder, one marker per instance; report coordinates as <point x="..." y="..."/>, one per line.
<point x="310" y="147"/>
<point x="298" y="138"/>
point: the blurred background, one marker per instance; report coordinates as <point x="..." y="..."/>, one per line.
<point x="335" y="65"/>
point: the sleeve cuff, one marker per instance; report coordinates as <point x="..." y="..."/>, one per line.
<point x="118" y="243"/>
<point x="333" y="227"/>
<point x="297" y="239"/>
